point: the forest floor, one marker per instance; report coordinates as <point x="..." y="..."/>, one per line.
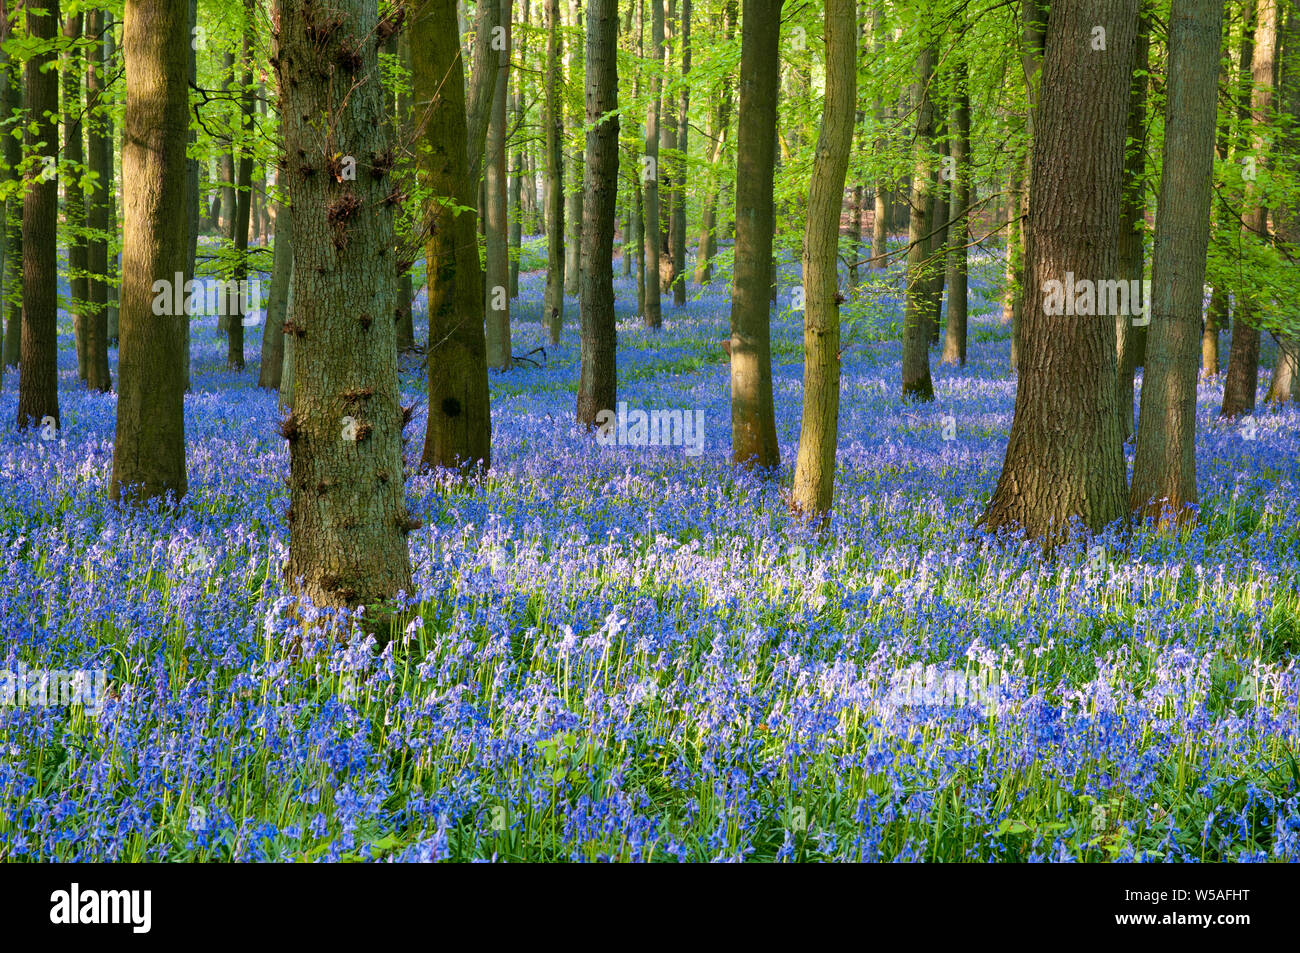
<point x="635" y="653"/>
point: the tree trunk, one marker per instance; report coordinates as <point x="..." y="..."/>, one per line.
<point x="191" y="196"/>
<point x="573" y="212"/>
<point x="38" y="393"/>
<point x="1215" y="317"/>
<point x="517" y="113"/>
<point x="880" y="222"/>
<point x="554" y="177"/>
<point x="598" y="380"/>
<point x="149" y="452"/>
<point x="271" y="367"/>
<point x="954" y="340"/>
<point x="459" y="430"/>
<point x="1065" y="457"/>
<point x="347" y="515"/>
<point x="110" y="140"/>
<point x="814" y="472"/>
<point x="1242" y="381"/>
<point x="1131" y="338"/>
<point x="494" y="184"/>
<point x="100" y="165"/>
<point x="677" y="229"/>
<point x="651" y="170"/>
<point x="917" y="313"/>
<point x="481" y="92"/>
<point x="753" y="418"/>
<point x="74" y="197"/>
<point x="1164" y="469"/>
<point x="707" y="246"/>
<point x="243" y="202"/>
<point x="13" y="238"/>
<point x="1286" y="372"/>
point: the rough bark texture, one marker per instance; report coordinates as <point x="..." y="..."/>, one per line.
<point x="652" y="170"/>
<point x="149" y="450"/>
<point x="917" y="310"/>
<point x="100" y="164"/>
<point x="554" y="302"/>
<point x="1065" y="457"/>
<point x="573" y="200"/>
<point x="1164" y="469"/>
<point x="954" y="340"/>
<point x="880" y="222"/>
<point x="459" y="429"/>
<point x="753" y="418"/>
<point x="38" y="393"/>
<point x="347" y="515"/>
<point x="814" y="472"/>
<point x="494" y="188"/>
<point x="74" y="197"/>
<point x="598" y="380"/>
<point x="1242" y="380"/>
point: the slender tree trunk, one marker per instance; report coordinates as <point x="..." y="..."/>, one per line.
<point x="598" y="380"/>
<point x="517" y="113"/>
<point x="191" y="195"/>
<point x="149" y="452"/>
<point x="99" y="164"/>
<point x="481" y="91"/>
<point x="13" y="239"/>
<point x="1065" y="457"/>
<point x="229" y="173"/>
<point x="814" y="471"/>
<point x="677" y="230"/>
<point x="882" y="206"/>
<point x="652" y="170"/>
<point x="404" y="313"/>
<point x="753" y="418"/>
<point x="707" y="246"/>
<point x="347" y="515"/>
<point x="917" y="313"/>
<point x="1164" y="468"/>
<point x="954" y="341"/>
<point x="554" y="177"/>
<point x="1242" y="381"/>
<point x="494" y="183"/>
<point x="1215" y="317"/>
<point x="271" y="367"/>
<point x="243" y="202"/>
<point x="937" y="247"/>
<point x="74" y="196"/>
<point x="1283" y="385"/>
<point x="1131" y="338"/>
<point x="459" y="430"/>
<point x="573" y="212"/>
<point x="38" y="393"/>
<point x="110" y="140"/>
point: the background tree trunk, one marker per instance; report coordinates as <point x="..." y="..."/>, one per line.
<point x="598" y="380"/>
<point x="1164" y="468"/>
<point x="707" y="246"/>
<point x="554" y="303"/>
<point x="459" y="429"/>
<point x="1065" y="457"/>
<point x="917" y="313"/>
<point x="1131" y="339"/>
<point x="100" y="164"/>
<point x="652" y="170"/>
<point x="753" y="418"/>
<point x="954" y="341"/>
<point x="814" y="472"/>
<point x="271" y="367"/>
<point x="38" y="392"/>
<point x="149" y="450"/>
<point x="677" y="229"/>
<point x="494" y="185"/>
<point x="13" y="239"/>
<point x="74" y="196"/>
<point x="1282" y="386"/>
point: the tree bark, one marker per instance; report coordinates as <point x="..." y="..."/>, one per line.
<point x="598" y="379"/>
<point x="347" y="515"/>
<point x="74" y="196"/>
<point x="677" y="228"/>
<point x="494" y="185"/>
<point x="149" y="452"/>
<point x="243" y="201"/>
<point x="753" y="418"/>
<point x="917" y="310"/>
<point x="954" y="341"/>
<point x="458" y="434"/>
<point x="38" y="393"/>
<point x="1065" y="458"/>
<point x="271" y="367"/>
<point x="1130" y="338"/>
<point x="814" y="472"/>
<point x="1282" y="386"/>
<point x="652" y="170"/>
<point x="100" y="165"/>
<point x="554" y="302"/>
<point x="1164" y="468"/>
<point x="707" y="246"/>
<point x="13" y="264"/>
<point x="1242" y="381"/>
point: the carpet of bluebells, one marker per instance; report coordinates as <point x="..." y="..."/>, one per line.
<point x="631" y="653"/>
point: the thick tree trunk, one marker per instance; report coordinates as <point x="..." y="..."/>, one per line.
<point x="554" y="302"/>
<point x="100" y="165"/>
<point x="1164" y="469"/>
<point x="38" y="393"/>
<point x="1131" y="338"/>
<point x="149" y="450"/>
<point x="495" y="192"/>
<point x="459" y="430"/>
<point x="652" y="170"/>
<point x="753" y="418"/>
<point x="814" y="472"/>
<point x="598" y="380"/>
<point x="1242" y="381"/>
<point x="347" y="516"/>
<point x="1065" y="458"/>
<point x="954" y="340"/>
<point x="917" y="310"/>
